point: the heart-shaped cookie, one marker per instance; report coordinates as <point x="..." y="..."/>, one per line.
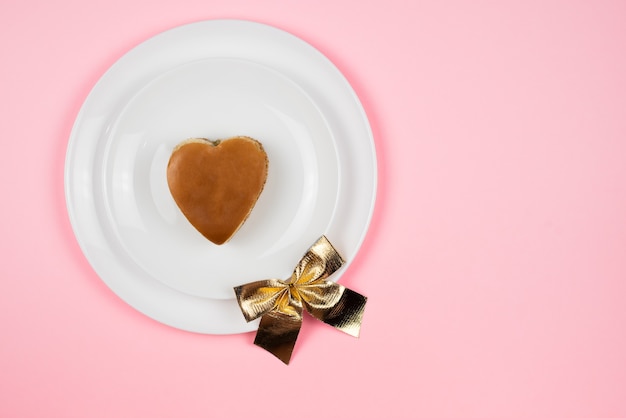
<point x="217" y="183"/>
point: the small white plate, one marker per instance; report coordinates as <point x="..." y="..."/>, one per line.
<point x="216" y="79"/>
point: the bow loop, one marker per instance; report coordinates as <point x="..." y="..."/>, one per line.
<point x="317" y="264"/>
<point x="280" y="303"/>
<point x="257" y="298"/>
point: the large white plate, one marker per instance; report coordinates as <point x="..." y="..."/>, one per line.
<point x="216" y="79"/>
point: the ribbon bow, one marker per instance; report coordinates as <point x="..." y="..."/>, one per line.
<point x="279" y="303"/>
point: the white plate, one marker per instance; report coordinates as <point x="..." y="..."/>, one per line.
<point x="216" y="79"/>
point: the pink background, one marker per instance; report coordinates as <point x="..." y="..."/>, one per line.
<point x="495" y="264"/>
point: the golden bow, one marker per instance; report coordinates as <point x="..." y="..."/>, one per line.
<point x="279" y="303"/>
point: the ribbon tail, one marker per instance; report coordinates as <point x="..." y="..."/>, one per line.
<point x="345" y="314"/>
<point x="278" y="333"/>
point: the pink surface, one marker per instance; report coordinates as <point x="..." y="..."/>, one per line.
<point x="495" y="265"/>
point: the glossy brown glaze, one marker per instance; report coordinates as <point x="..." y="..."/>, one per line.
<point x="216" y="184"/>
